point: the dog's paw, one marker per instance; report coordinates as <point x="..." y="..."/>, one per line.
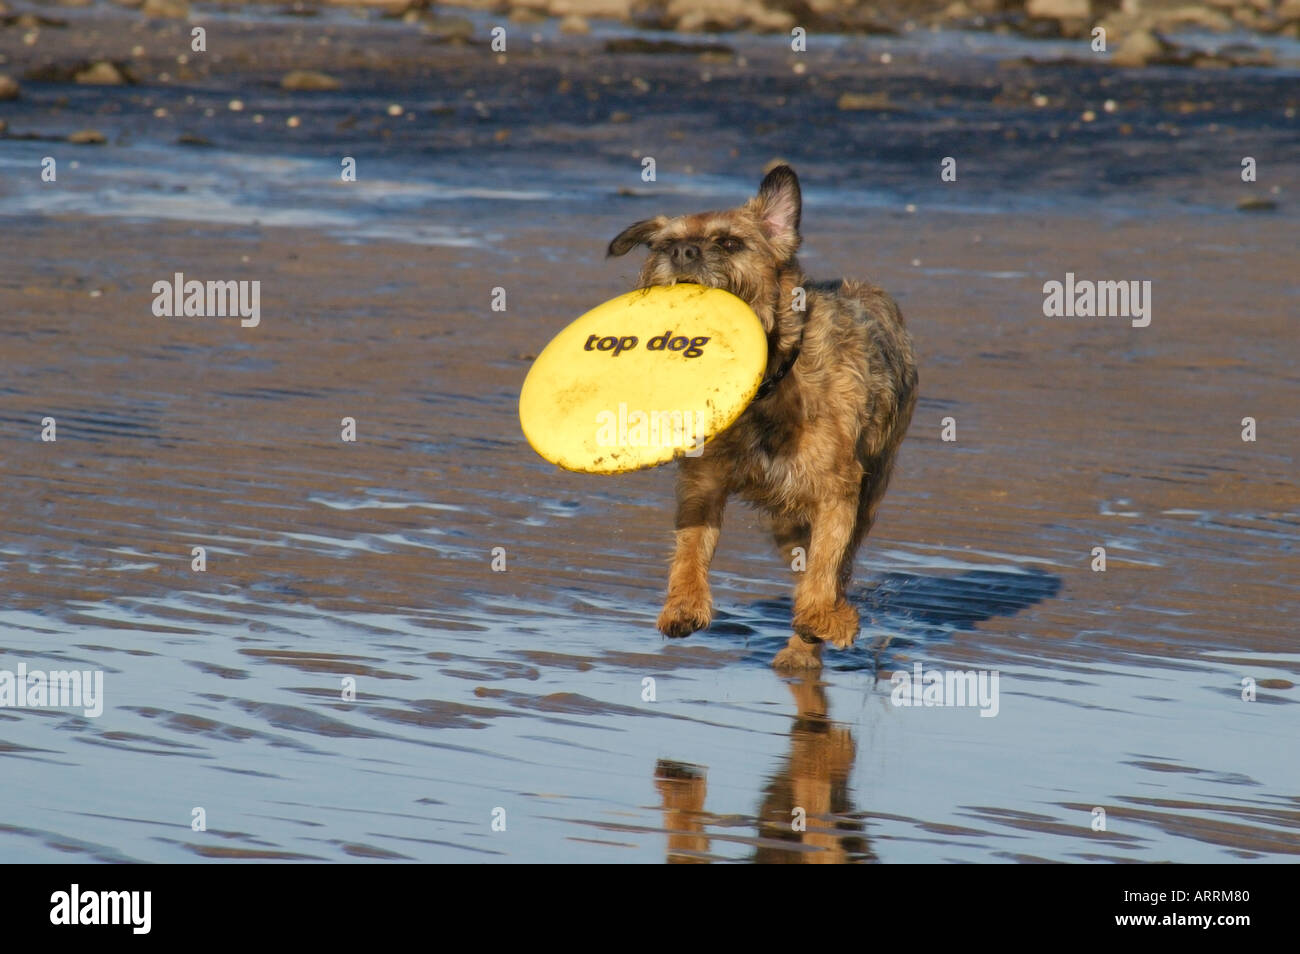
<point x="837" y="625"/>
<point x="682" y="616"/>
<point x="798" y="654"/>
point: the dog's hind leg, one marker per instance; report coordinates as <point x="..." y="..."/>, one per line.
<point x="792" y="537"/>
<point x="877" y="467"/>
<point x="874" y="484"/>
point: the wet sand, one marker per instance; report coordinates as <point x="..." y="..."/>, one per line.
<point x="523" y="689"/>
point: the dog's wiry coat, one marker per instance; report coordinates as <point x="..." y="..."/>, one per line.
<point x="815" y="452"/>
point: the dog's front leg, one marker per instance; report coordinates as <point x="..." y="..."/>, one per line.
<point x="820" y="610"/>
<point x="701" y="497"/>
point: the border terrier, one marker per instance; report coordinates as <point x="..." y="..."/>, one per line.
<point x="815" y="448"/>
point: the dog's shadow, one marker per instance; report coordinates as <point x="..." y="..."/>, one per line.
<point x="901" y="610"/>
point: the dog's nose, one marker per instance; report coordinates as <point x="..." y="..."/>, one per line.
<point x="684" y="253"/>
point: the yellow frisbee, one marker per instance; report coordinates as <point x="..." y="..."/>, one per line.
<point x="643" y="378"/>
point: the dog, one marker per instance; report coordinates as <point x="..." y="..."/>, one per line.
<point x="816" y="447"/>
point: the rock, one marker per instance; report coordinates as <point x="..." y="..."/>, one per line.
<point x="575" y="24"/>
<point x="590" y="9"/>
<point x="638" y="45"/>
<point x="166" y="9"/>
<point x="102" y="73"/>
<point x="1060" y="9"/>
<point x="1193" y="16"/>
<point x="1274" y="684"/>
<point x="456" y="30"/>
<point x="1138" y="49"/>
<point x="8" y="88"/>
<point x="1252" y="203"/>
<point x="713" y="16"/>
<point x="34" y="21"/>
<point x="88" y="137"/>
<point x="1246" y="17"/>
<point x="311" y="80"/>
<point x="1288" y="10"/>
<point x="856" y="101"/>
<point x="1243" y="54"/>
<point x="400" y="9"/>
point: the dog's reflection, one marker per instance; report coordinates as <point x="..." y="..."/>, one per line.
<point x="682" y="788"/>
<point x="804" y="814"/>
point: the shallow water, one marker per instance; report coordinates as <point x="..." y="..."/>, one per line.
<point x="525" y="690"/>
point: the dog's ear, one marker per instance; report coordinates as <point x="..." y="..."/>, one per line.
<point x="635" y="234"/>
<point x="779" y="205"/>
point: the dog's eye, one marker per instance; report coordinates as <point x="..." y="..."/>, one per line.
<point x="731" y="244"/>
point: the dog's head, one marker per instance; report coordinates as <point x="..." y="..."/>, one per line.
<point x="742" y="250"/>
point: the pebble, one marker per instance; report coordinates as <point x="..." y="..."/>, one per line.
<point x="311" y="80"/>
<point x="102" y="73"/>
<point x="1254" y="203"/>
